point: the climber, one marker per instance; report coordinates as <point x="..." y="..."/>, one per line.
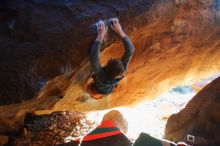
<point x="106" y="78"/>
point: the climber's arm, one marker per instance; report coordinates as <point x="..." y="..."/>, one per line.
<point x="94" y="56"/>
<point x="94" y="51"/>
<point x="129" y="51"/>
<point x="129" y="48"/>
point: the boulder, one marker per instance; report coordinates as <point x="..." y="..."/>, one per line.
<point x="42" y="39"/>
<point x="200" y="118"/>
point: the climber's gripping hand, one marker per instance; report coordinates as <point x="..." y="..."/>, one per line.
<point x="116" y="27"/>
<point x="101" y="30"/>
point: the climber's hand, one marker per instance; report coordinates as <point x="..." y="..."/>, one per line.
<point x="101" y="30"/>
<point x="116" y="27"/>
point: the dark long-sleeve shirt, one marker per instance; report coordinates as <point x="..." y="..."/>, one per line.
<point x="102" y="85"/>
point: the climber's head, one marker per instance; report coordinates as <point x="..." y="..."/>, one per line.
<point x="114" y="68"/>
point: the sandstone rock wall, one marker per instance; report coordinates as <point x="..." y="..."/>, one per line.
<point x="179" y="45"/>
<point x="41" y="39"/>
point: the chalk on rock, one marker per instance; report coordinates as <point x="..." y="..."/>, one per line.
<point x="181" y="2"/>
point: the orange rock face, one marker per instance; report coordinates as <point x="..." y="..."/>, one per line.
<point x="179" y="46"/>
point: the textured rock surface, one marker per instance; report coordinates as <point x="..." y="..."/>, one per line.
<point x="175" y="44"/>
<point x="3" y="139"/>
<point x="200" y="118"/>
<point x="169" y="51"/>
<point x="41" y="39"/>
